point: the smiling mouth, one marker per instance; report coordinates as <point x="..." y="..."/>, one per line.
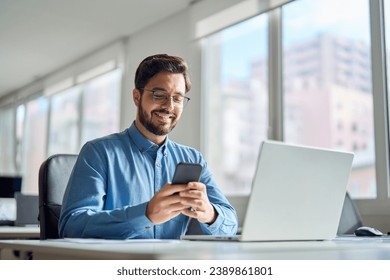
<point x="164" y="116"/>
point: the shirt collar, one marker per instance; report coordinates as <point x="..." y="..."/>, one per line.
<point x="142" y="143"/>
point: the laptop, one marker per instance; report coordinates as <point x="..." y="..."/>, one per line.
<point x="9" y="185"/>
<point x="27" y="210"/>
<point x="297" y="194"/>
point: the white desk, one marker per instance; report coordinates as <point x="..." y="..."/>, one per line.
<point x="13" y="232"/>
<point x="345" y="248"/>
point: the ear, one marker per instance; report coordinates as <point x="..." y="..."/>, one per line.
<point x="136" y="97"/>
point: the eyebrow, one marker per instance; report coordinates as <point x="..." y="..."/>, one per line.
<point x="164" y="90"/>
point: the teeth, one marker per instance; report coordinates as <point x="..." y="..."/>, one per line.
<point x="164" y="116"/>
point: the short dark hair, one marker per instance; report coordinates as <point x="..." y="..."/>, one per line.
<point x="152" y="65"/>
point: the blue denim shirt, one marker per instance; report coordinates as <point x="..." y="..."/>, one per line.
<point x="115" y="177"/>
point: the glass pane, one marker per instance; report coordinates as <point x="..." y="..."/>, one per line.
<point x="64" y="119"/>
<point x="387" y="40"/>
<point x="327" y="82"/>
<point x="236" y="91"/>
<point x="34" y="143"/>
<point x="20" y="120"/>
<point x="101" y="106"/>
<point x="7" y="132"/>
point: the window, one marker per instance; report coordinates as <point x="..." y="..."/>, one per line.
<point x="328" y="88"/>
<point x="77" y="114"/>
<point x="20" y="117"/>
<point x="64" y="122"/>
<point x="386" y="5"/>
<point x="7" y="146"/>
<point x="34" y="143"/>
<point x="236" y="79"/>
<point x="84" y="112"/>
<point x="101" y="106"/>
<point x="327" y="96"/>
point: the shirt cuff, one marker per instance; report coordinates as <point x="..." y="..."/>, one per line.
<point x="137" y="218"/>
<point x="214" y="227"/>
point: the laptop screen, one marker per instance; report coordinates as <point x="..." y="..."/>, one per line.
<point x="9" y="185"/>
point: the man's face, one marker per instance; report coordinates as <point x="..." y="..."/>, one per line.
<point x="156" y="119"/>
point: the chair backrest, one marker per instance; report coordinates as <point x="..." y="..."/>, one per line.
<point x="350" y="217"/>
<point x="54" y="174"/>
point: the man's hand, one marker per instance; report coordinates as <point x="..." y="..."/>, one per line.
<point x="195" y="196"/>
<point x="165" y="204"/>
<point x="189" y="199"/>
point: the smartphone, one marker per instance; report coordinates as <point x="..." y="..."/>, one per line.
<point x="187" y="172"/>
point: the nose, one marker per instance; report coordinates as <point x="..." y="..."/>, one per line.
<point x="169" y="103"/>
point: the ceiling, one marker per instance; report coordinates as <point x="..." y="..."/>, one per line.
<point x="41" y="36"/>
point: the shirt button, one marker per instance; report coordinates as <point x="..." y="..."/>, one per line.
<point x="158" y="165"/>
<point x="147" y="227"/>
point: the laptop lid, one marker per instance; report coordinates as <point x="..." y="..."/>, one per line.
<point x="27" y="210"/>
<point x="297" y="193"/>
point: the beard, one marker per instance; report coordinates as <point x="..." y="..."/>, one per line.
<point x="146" y="121"/>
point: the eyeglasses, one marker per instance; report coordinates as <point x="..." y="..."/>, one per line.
<point x="161" y="97"/>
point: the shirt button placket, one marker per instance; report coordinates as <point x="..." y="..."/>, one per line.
<point x="157" y="186"/>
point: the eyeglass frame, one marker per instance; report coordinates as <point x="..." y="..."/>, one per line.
<point x="167" y="96"/>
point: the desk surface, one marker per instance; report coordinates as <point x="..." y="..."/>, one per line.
<point x="13" y="232"/>
<point x="343" y="248"/>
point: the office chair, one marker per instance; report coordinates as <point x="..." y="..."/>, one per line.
<point x="350" y="217"/>
<point x="54" y="174"/>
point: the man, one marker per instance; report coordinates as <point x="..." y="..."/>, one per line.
<point x="120" y="186"/>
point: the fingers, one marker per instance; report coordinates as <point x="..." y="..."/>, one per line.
<point x="206" y="214"/>
<point x="160" y="211"/>
<point x="170" y="189"/>
<point x="192" y="213"/>
<point x="194" y="190"/>
<point x="189" y="199"/>
<point x="195" y="195"/>
<point x="165" y="205"/>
